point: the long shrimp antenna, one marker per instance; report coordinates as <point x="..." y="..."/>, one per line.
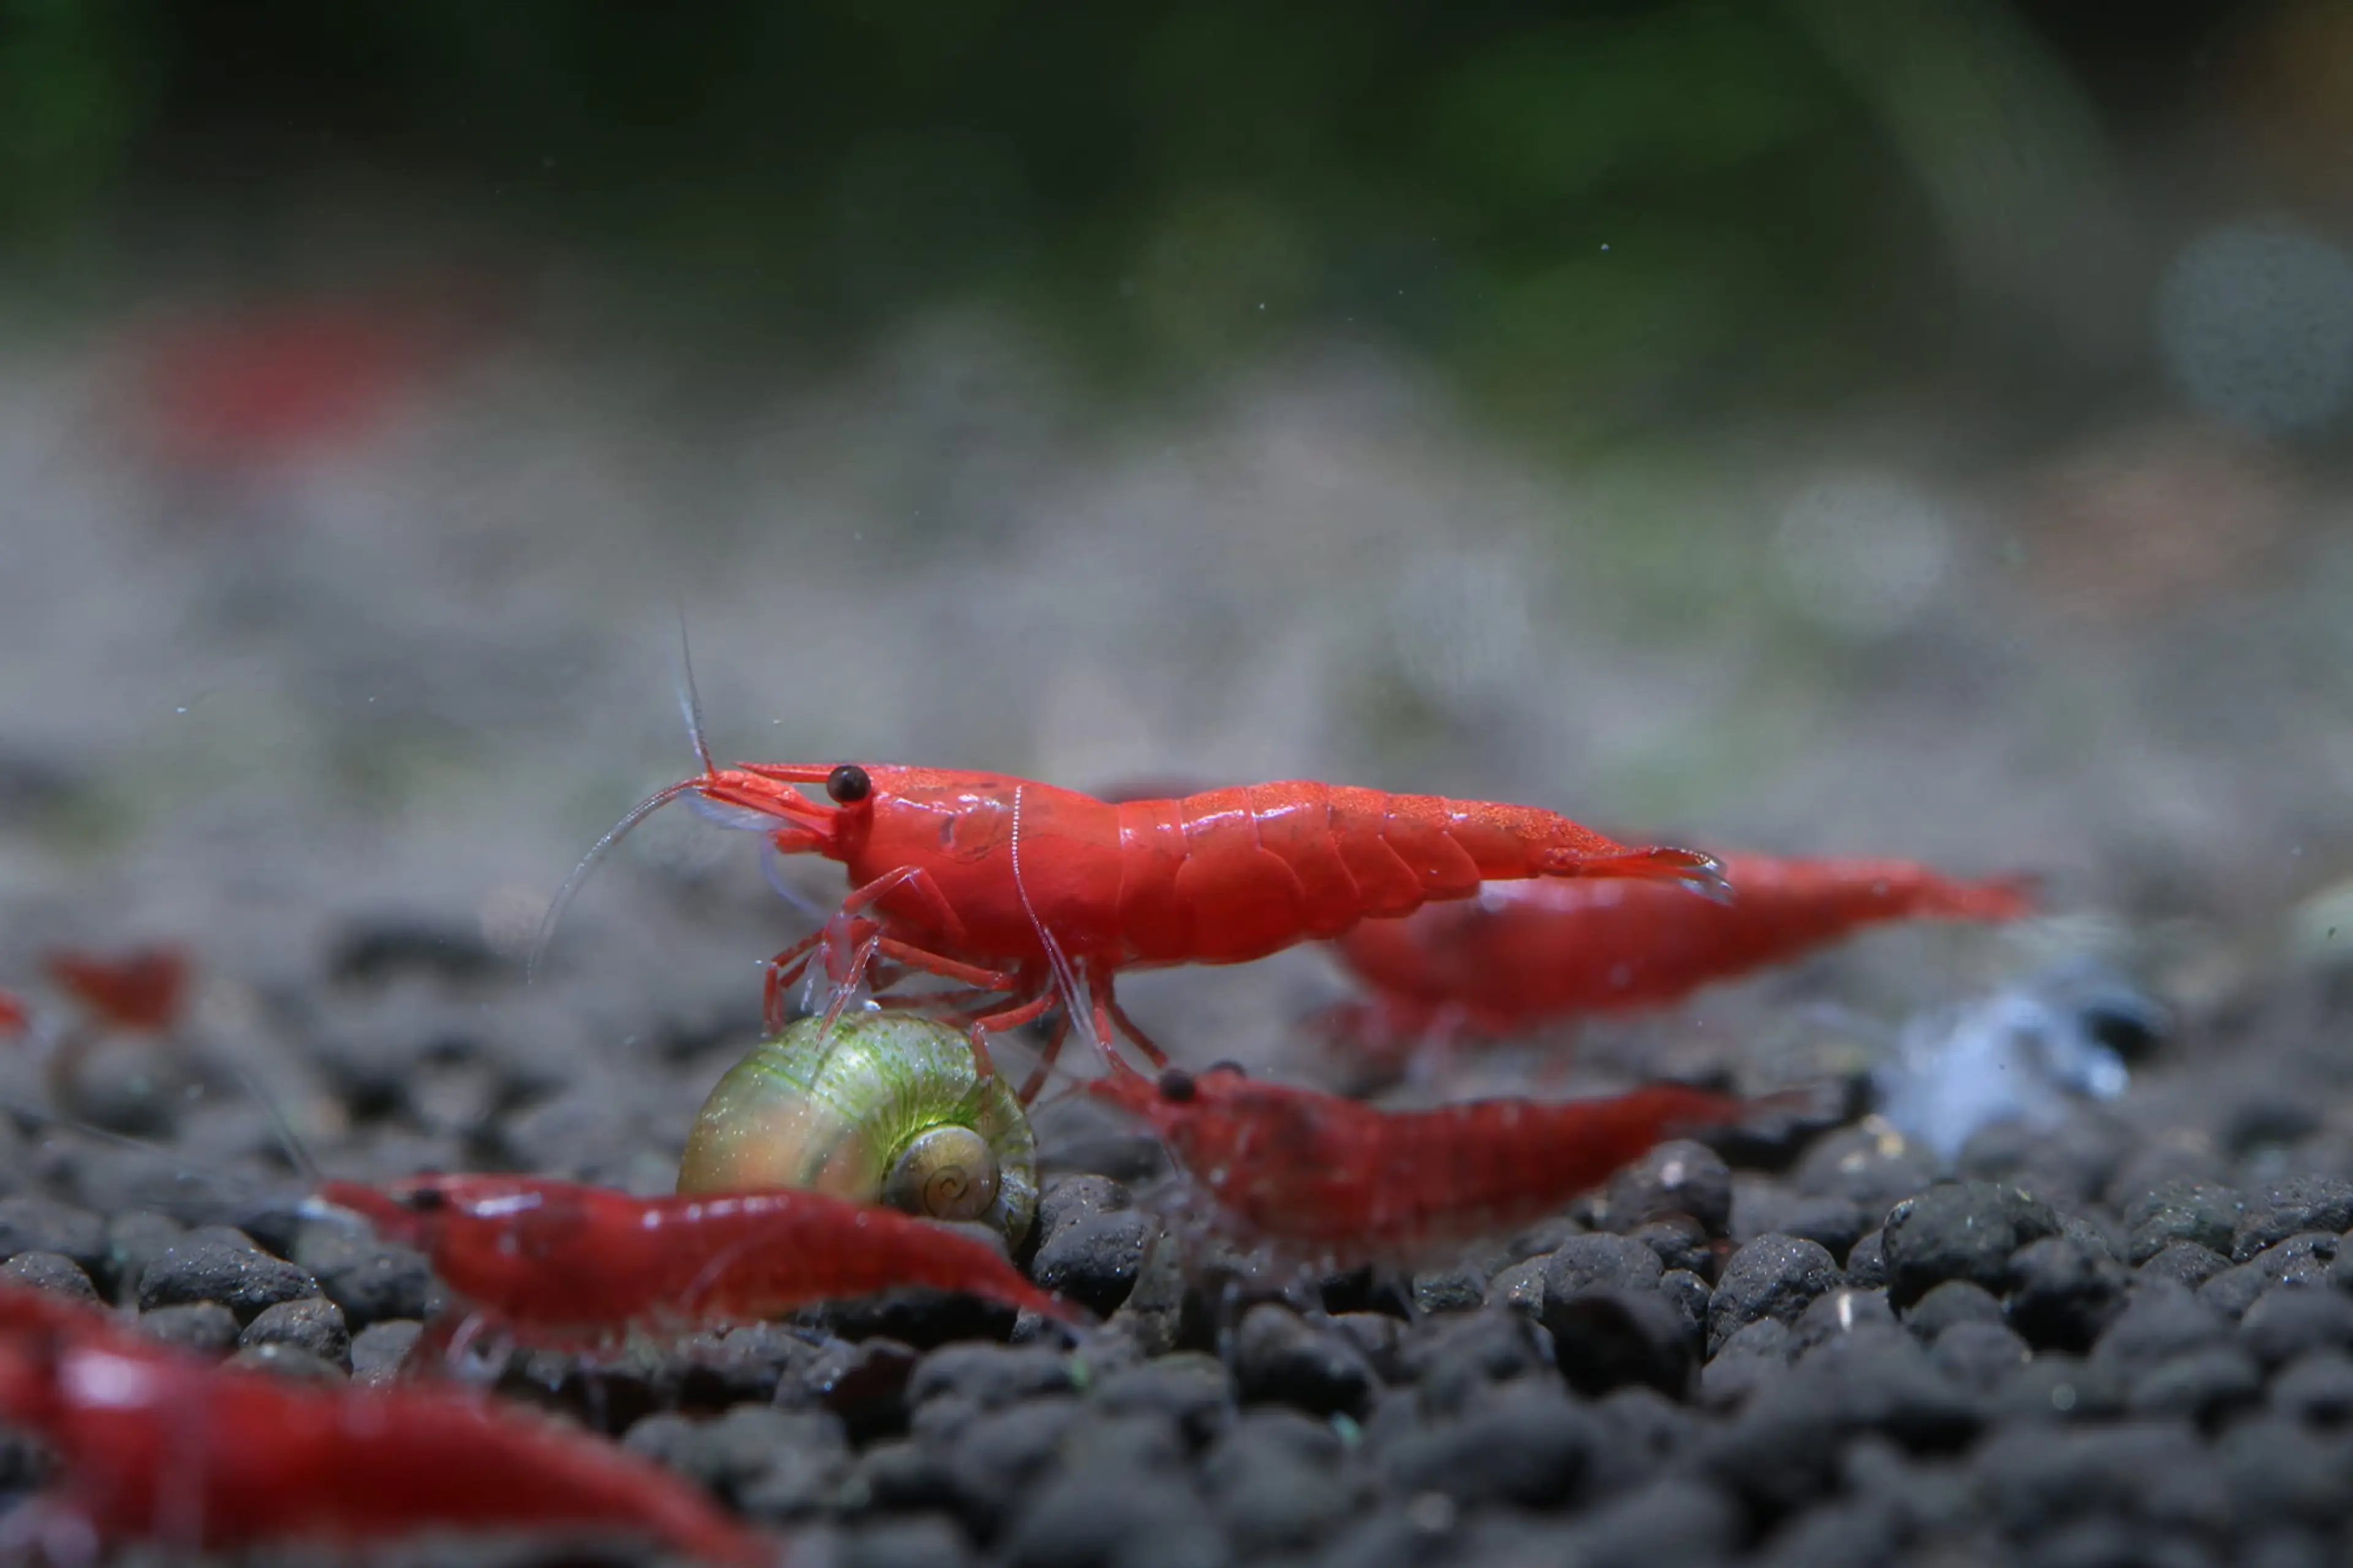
<point x="589" y="862"/>
<point x="689" y="700"/>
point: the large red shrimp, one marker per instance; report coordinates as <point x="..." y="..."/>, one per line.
<point x="1019" y="889"/>
<point x="1316" y="1175"/>
<point x="556" y="1263"/>
<point x="157" y="1445"/>
<point x="1522" y="953"/>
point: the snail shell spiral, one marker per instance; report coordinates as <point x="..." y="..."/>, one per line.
<point x="884" y="1107"/>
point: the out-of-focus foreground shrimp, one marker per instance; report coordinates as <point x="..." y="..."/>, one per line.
<point x="156" y="1445"/>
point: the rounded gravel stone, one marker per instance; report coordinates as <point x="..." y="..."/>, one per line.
<point x="1454" y="1360"/>
<point x="922" y="1541"/>
<point x="206" y="1328"/>
<point x="286" y="1360"/>
<point x="215" y="1264"/>
<point x="2202" y="1384"/>
<point x="314" y="1325"/>
<point x="1190" y="1389"/>
<point x="1980" y="1356"/>
<point x="1599" y="1262"/>
<point x="50" y="1271"/>
<point x="2291" y="1207"/>
<point x="1277" y="1488"/>
<point x="1678" y="1177"/>
<point x="1279" y="1358"/>
<point x="2184" y="1262"/>
<point x="34" y="1223"/>
<point x="990" y="1376"/>
<point x="1680" y="1244"/>
<point x="2293" y="1319"/>
<point x="1960" y="1231"/>
<point x="1530" y="1446"/>
<point x="1866" y="1262"/>
<point x="2183" y="1208"/>
<point x="2315" y="1387"/>
<point x="2064" y="1292"/>
<point x="2161" y="1320"/>
<point x="1859" y="1166"/>
<point x="1953" y="1302"/>
<point x="1094" y="1258"/>
<point x="378" y="1350"/>
<point x="1604" y="1339"/>
<point x="1836" y="1313"/>
<point x="1773" y="1276"/>
<point x="372" y="1280"/>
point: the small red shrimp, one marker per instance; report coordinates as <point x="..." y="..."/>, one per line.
<point x="144" y="990"/>
<point x="998" y="883"/>
<point x="16" y="1018"/>
<point x="558" y="1263"/>
<point x="1336" y="1179"/>
<point x="1522" y="953"/>
<point x="157" y="1445"/>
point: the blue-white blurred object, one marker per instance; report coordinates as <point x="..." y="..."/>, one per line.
<point x="2022" y="1054"/>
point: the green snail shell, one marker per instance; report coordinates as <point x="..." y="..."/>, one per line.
<point x="884" y="1107"/>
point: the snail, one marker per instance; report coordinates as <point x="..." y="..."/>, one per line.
<point x="884" y="1108"/>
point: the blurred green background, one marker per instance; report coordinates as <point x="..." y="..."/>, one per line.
<point x="1604" y="217"/>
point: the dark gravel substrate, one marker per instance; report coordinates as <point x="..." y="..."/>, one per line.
<point x="2128" y="1341"/>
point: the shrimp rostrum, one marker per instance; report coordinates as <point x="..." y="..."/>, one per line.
<point x="1019" y="891"/>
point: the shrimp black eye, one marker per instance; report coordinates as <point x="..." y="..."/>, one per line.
<point x="1177" y="1086"/>
<point x="427" y="1200"/>
<point x="848" y="783"/>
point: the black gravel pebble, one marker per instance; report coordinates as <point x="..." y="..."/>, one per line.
<point x="34" y="1223"/>
<point x="1454" y="1360"/>
<point x="1098" y="1513"/>
<point x="1528" y="1444"/>
<point x="314" y="1325"/>
<point x="1599" y="1262"/>
<point x="1688" y="1294"/>
<point x="2317" y="1388"/>
<point x="1841" y="1312"/>
<point x="2034" y="1479"/>
<point x="2184" y="1262"/>
<point x="1680" y="1243"/>
<point x="2063" y="1292"/>
<point x="1676" y="1178"/>
<point x="2200" y="1385"/>
<point x="779" y="1467"/>
<point x="2182" y="1208"/>
<point x="1279" y="1358"/>
<point x="990" y="1461"/>
<point x="924" y="1541"/>
<point x="1772" y="1276"/>
<point x="1188" y="1388"/>
<point x="2306" y="1259"/>
<point x="1953" y="1302"/>
<point x="1604" y="1339"/>
<point x="988" y="1376"/>
<point x="1866" y="1262"/>
<point x="205" y="1326"/>
<point x="217" y="1264"/>
<point x="378" y="1350"/>
<point x="1093" y="1258"/>
<point x="1960" y="1231"/>
<point x="1979" y="1357"/>
<point x="2161" y="1320"/>
<point x="2293" y="1319"/>
<point x="2291" y="1207"/>
<point x="49" y="1271"/>
<point x="371" y="1281"/>
<point x="1274" y="1482"/>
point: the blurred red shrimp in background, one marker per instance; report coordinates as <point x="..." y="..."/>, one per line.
<point x="142" y="989"/>
<point x="1525" y="954"/>
<point x="286" y="379"/>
